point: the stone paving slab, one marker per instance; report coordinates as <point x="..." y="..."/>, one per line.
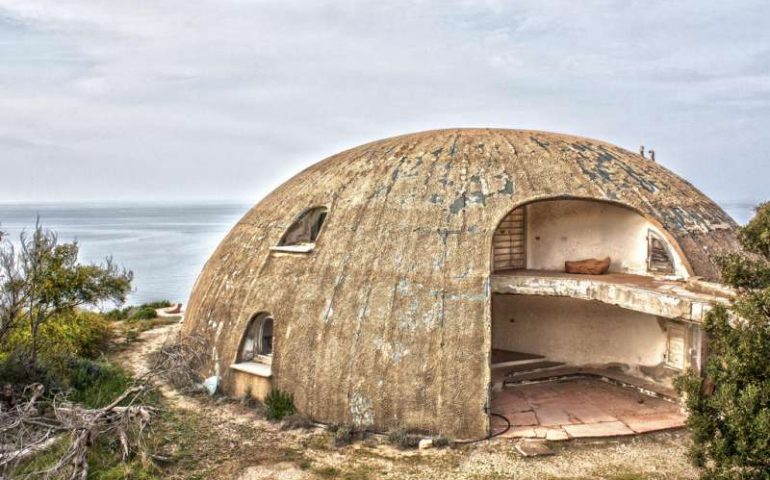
<point x="550" y="416"/>
<point x="556" y="435"/>
<point x="523" y="418"/>
<point x="652" y="423"/>
<point x="581" y="408"/>
<point x="520" y="432"/>
<point x="602" y="429"/>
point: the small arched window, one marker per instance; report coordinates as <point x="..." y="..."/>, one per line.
<point x="659" y="258"/>
<point x="305" y="229"/>
<point x="257" y="343"/>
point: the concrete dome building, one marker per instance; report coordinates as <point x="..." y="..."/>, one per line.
<point x="413" y="281"/>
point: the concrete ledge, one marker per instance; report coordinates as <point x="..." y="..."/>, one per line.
<point x="254" y="368"/>
<point x="307" y="248"/>
<point x="663" y="298"/>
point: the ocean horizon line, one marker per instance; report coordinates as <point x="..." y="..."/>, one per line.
<point x="139" y="203"/>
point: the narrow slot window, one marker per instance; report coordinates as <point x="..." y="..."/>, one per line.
<point x="306" y="229"/>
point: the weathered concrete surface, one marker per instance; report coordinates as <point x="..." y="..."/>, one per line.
<point x="387" y="321"/>
<point x="244" y="384"/>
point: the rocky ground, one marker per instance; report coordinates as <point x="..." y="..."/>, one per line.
<point x="225" y="439"/>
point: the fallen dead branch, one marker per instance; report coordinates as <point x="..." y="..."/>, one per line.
<point x="34" y="426"/>
<point x="179" y="361"/>
<point x="23" y="431"/>
<point x="86" y="425"/>
<point x="38" y="423"/>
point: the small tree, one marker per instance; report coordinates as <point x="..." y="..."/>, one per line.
<point x="11" y="290"/>
<point x="43" y="279"/>
<point x="730" y="408"/>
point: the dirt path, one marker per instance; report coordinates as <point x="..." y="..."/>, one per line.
<point x="227" y="440"/>
<point x="135" y="356"/>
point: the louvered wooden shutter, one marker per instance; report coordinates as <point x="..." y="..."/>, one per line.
<point x="658" y="257"/>
<point x="510" y="241"/>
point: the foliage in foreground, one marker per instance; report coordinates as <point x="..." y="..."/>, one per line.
<point x="96" y="384"/>
<point x="730" y="409"/>
<point x="405" y="439"/>
<point x="109" y="441"/>
<point x="43" y="280"/>
<point x="279" y="404"/>
<point x="72" y="335"/>
<point x="145" y="311"/>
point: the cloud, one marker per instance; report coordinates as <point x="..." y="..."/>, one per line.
<point x="225" y="99"/>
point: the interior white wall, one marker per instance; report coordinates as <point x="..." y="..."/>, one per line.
<point x="577" y="332"/>
<point x="561" y="230"/>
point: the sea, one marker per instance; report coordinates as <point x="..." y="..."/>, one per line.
<point x="164" y="244"/>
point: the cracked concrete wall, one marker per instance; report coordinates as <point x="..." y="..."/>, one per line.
<point x="387" y="321"/>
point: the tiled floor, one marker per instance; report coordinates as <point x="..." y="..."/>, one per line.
<point x="580" y="408"/>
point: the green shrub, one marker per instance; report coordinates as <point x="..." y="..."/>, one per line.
<point x="729" y="409"/>
<point x="343" y="435"/>
<point x="157" y="304"/>
<point x="327" y="472"/>
<point x="67" y="336"/>
<point x="404" y="439"/>
<point x="76" y="334"/>
<point x="117" y="314"/>
<point x="279" y="404"/>
<point x="143" y="313"/>
<point x="15" y="369"/>
<point x="442" y="441"/>
<point x="96" y="384"/>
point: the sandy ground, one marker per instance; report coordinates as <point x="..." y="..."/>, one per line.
<point x="232" y="441"/>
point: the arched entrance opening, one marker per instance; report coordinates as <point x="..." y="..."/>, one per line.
<point x="591" y="353"/>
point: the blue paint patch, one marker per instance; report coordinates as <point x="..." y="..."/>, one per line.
<point x="457" y="205"/>
<point x="507" y="188"/>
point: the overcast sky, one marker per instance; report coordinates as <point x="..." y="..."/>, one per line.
<point x="181" y="99"/>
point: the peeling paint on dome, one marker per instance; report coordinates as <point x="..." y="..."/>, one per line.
<point x="397" y="288"/>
